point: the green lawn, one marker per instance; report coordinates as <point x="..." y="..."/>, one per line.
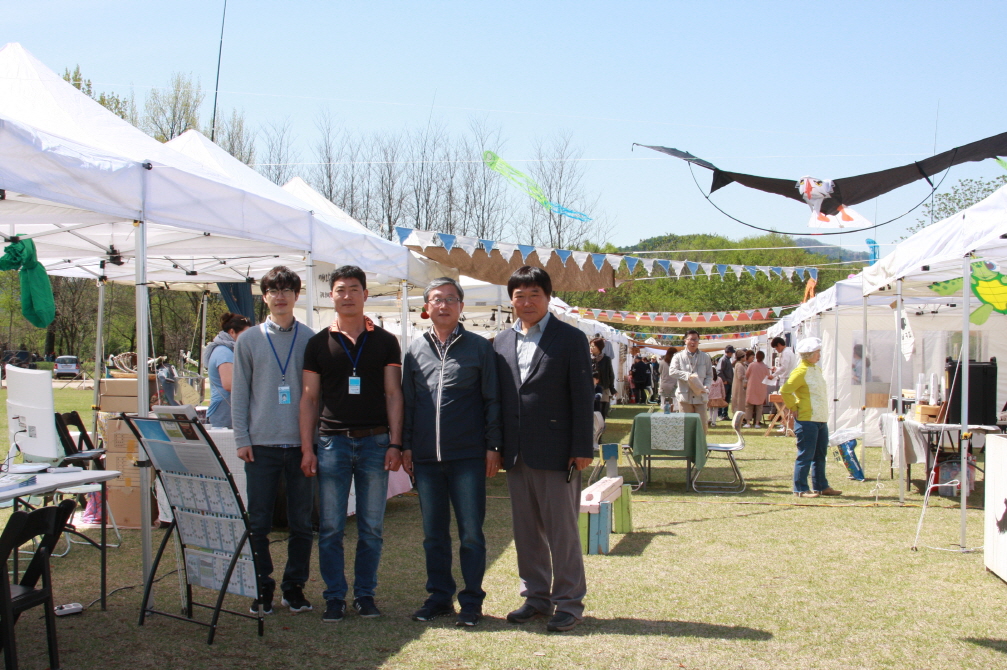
<point x="705" y="581"/>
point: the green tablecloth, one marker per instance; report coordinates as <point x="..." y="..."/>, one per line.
<point x="693" y="445"/>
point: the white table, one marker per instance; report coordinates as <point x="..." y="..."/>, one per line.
<point x="46" y="483"/>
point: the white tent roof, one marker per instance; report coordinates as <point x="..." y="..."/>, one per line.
<point x="77" y="176"/>
<point x="942" y="246"/>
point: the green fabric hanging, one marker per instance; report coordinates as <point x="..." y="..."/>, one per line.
<point x="37" y="304"/>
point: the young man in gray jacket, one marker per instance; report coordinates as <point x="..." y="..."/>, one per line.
<point x="265" y="401"/>
<point x="452" y="439"/>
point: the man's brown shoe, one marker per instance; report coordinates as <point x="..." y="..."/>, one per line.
<point x="831" y="492"/>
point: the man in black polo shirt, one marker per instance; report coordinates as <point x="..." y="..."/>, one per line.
<point x="354" y="368"/>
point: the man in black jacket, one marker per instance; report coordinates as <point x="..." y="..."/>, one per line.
<point x="452" y="443"/>
<point x="546" y="396"/>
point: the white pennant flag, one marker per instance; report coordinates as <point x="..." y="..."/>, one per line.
<point x="426" y="239"/>
<point x="708" y="269"/>
<point x="648" y="265"/>
<point x="544" y="254"/>
<point x="678" y="266"/>
<point x="580" y="258"/>
<point x="614" y="260"/>
<point x="738" y="270"/>
<point x="506" y="250"/>
<point x="469" y="244"/>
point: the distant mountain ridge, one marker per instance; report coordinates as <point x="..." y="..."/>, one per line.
<point x="835" y="253"/>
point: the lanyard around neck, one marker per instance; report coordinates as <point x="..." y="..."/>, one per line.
<point x="349" y="354"/>
<point x="283" y="366"/>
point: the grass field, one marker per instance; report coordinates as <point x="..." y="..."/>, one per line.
<point x="755" y="580"/>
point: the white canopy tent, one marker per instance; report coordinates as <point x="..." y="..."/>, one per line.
<point x="96" y="194"/>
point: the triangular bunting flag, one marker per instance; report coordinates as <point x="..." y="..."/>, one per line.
<point x="631" y="263"/>
<point x="563" y="254"/>
<point x="488" y="245"/>
<point x="765" y="270"/>
<point x="721" y="315"/>
<point x="738" y="270"/>
<point x="597" y="313"/>
<point x="447" y="240"/>
<point x="544" y="254"/>
<point x="679" y="266"/>
<point x="692" y="267"/>
<point x="752" y="270"/>
<point x="615" y="260"/>
<point x="708" y="316"/>
<point x="666" y="265"/>
<point x="525" y="250"/>
<point x="598" y="260"/>
<point x="425" y="238"/>
<point x="469" y="244"/>
<point x="403" y="234"/>
<point x="788" y="272"/>
<point x="800" y="273"/>
<point x="580" y="258"/>
<point x="708" y="269"/>
<point x="648" y="265"/>
<point x="506" y="250"/>
<point x="777" y="270"/>
<point x="721" y="270"/>
<point x="814" y="273"/>
<point x="777" y="310"/>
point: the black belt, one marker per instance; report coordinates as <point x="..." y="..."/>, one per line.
<point x="360" y="432"/>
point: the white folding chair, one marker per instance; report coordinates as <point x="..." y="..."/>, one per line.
<point x="736" y="485"/>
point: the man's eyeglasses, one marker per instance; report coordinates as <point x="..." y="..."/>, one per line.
<point x="285" y="292"/>
<point x="444" y="301"/>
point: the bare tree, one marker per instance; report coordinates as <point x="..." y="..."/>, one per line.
<point x="278" y="164"/>
<point x="235" y="138"/>
<point x="484" y="196"/>
<point x="423" y="183"/>
<point x="171" y="111"/>
<point x="560" y="175"/>
<point x="389" y="184"/>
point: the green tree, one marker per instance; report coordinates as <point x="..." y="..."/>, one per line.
<point x="124" y="107"/>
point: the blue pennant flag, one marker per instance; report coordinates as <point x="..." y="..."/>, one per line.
<point x="666" y="265"/>
<point x="631" y="263"/>
<point x="488" y="245"/>
<point x="814" y="273"/>
<point x="525" y="250"/>
<point x="403" y="233"/>
<point x="599" y="261"/>
<point x="777" y="270"/>
<point x="722" y="270"/>
<point x="563" y="254"/>
<point x="752" y="270"/>
<point x="447" y="240"/>
<point x="800" y="273"/>
<point x="692" y="267"/>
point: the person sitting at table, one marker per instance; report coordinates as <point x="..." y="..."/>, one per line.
<point x="806" y="395"/>
<point x="693" y="370"/>
<point x="757" y="392"/>
<point x="219" y="357"/>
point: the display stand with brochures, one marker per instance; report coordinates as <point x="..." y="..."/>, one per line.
<point x="209" y="517"/>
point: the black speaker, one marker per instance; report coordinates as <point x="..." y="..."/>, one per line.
<point x="982" y="392"/>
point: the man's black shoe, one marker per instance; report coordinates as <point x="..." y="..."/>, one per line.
<point x="335" y="610"/>
<point x="365" y="607"/>
<point x="295" y="600"/>
<point x="267" y="600"/>
<point x="524" y="614"/>
<point x="562" y="621"/>
<point x="432" y="610"/>
<point x="469" y="616"/>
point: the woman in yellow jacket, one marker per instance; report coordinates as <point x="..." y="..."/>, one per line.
<point x="807" y="396"/>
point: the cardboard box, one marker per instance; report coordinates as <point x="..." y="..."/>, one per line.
<point x="124" y="502"/>
<point x="123" y="463"/>
<point x="877" y="400"/>
<point x="115" y="403"/>
<point x="927" y="413"/>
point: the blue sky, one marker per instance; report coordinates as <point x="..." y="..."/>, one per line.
<point x="780" y="89"/>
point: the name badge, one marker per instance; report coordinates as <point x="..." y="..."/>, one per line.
<point x="354" y="386"/>
<point x="284" y="395"/>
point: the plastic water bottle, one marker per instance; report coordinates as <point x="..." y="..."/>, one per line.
<point x="667" y="406"/>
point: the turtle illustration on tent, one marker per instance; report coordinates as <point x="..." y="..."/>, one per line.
<point x="987" y="284"/>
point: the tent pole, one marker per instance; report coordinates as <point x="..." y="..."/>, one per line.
<point x="309" y="312"/>
<point x="863" y="384"/>
<point x="898" y="383"/>
<point x="963" y="474"/>
<point x="99" y="352"/>
<point x="202" y="331"/>
<point x="835" y="370"/>
<point x="405" y="317"/>
<point x="142" y="382"/>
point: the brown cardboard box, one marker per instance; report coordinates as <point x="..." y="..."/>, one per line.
<point x="877" y="400"/>
<point x="115" y="403"/>
<point x="122" y="387"/>
<point x="927" y="413"/>
<point x="124" y="464"/>
<point x="124" y="502"/>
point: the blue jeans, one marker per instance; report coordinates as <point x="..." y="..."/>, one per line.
<point x="460" y="484"/>
<point x="262" y="478"/>
<point x="361" y="461"/>
<point x="812" y="448"/>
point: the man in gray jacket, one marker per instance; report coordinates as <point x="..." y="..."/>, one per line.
<point x="265" y="398"/>
<point x="451" y="440"/>
<point x="693" y="370"/>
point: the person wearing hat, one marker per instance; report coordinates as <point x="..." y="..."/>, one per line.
<point x="806" y="395"/>
<point x="725" y="369"/>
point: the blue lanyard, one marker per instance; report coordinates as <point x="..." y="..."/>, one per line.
<point x="283" y="366"/>
<point x="353" y="359"/>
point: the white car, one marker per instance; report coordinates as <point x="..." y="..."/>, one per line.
<point x="66" y="366"/>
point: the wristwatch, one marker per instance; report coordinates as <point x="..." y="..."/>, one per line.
<point x="395" y="446"/>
